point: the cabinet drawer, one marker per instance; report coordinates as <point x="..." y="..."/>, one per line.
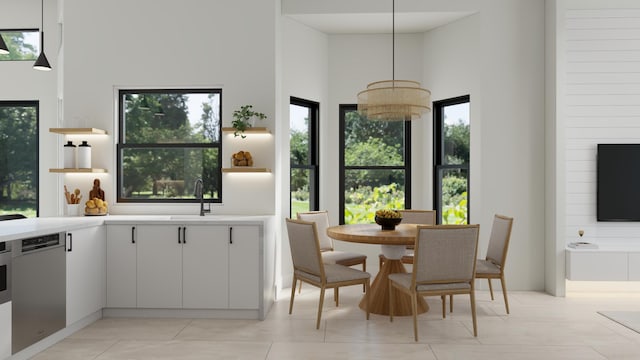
<point x="597" y="266"/>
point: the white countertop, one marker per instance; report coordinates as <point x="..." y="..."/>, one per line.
<point x="25" y="228"/>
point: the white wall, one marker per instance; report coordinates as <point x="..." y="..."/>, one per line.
<point x="497" y="57"/>
<point x="21" y="82"/>
<point x="597" y="102"/>
<point x="304" y="75"/>
<point x="227" y="44"/>
<point x="355" y="61"/>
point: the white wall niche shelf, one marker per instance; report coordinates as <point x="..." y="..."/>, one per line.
<point x="77" y="170"/>
<point x="246" y="169"/>
<point x="78" y="131"/>
<point x="251" y="130"/>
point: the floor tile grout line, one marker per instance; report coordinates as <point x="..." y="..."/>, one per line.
<point x="183" y="328"/>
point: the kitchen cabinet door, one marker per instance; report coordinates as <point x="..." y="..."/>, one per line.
<point x="245" y="261"/>
<point x="159" y="259"/>
<point x="86" y="268"/>
<point x="205" y="267"/>
<point x="5" y="330"/>
<point x="121" y="266"/>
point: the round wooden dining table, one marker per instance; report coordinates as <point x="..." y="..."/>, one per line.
<point x="393" y="244"/>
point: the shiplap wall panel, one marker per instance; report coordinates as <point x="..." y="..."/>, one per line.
<point x="601" y="105"/>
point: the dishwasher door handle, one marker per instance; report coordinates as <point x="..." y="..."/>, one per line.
<point x="70" y="248"/>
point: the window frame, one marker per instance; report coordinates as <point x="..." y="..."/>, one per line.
<point x="314" y="153"/>
<point x="121" y="145"/>
<point x="438" y="155"/>
<point x="343" y="110"/>
<point x="36" y="105"/>
<point x="27" y="30"/>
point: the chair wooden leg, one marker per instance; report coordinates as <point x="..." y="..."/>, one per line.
<point x="321" y="302"/>
<point x="451" y="303"/>
<point x="504" y="293"/>
<point x="472" y="296"/>
<point x="336" y="295"/>
<point x="414" y="312"/>
<point x="391" y="303"/>
<point x="293" y="293"/>
<point x="368" y="295"/>
<point x="381" y="257"/>
<point x="364" y="268"/>
<point x="490" y="288"/>
<point x="444" y="306"/>
<point x="300" y="287"/>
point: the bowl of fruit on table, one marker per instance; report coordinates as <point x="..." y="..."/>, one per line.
<point x="388" y="219"/>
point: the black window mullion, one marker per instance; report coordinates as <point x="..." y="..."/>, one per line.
<point x="406" y="168"/>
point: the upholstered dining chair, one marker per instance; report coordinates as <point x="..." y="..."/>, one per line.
<point x="444" y="264"/>
<point x="309" y="267"/>
<point x="492" y="266"/>
<point x="329" y="254"/>
<point x="410" y="216"/>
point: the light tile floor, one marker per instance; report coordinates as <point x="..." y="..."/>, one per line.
<point x="540" y="326"/>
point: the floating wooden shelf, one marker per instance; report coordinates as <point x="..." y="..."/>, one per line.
<point x="251" y="130"/>
<point x="74" y="170"/>
<point x="78" y="131"/>
<point x="247" y="169"/>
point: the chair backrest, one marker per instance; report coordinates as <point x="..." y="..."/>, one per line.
<point x="445" y="253"/>
<point x="303" y="241"/>
<point x="321" y="218"/>
<point x="425" y="217"/>
<point x="499" y="239"/>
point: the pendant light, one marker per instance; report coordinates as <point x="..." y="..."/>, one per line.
<point x="394" y="100"/>
<point x="4" y="49"/>
<point x="42" y="63"/>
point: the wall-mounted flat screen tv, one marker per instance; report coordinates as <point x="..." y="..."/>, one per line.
<point x="618" y="183"/>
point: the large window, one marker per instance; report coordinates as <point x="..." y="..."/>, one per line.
<point x="303" y="142"/>
<point x="19" y="158"/>
<point x="375" y="166"/>
<point x="451" y="160"/>
<point x="23" y="44"/>
<point x="167" y="140"/>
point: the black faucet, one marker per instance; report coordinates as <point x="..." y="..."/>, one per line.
<point x="199" y="194"/>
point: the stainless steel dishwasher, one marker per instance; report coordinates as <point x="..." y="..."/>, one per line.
<point x="38" y="289"/>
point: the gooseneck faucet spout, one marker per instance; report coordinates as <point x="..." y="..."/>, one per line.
<point x="199" y="194"/>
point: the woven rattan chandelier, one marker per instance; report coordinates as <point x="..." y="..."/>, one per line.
<point x="394" y="100"/>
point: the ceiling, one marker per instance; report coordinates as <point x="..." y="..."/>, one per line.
<point x="378" y="23"/>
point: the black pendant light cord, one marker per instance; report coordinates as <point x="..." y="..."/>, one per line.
<point x="42" y="26"/>
<point x="393" y="43"/>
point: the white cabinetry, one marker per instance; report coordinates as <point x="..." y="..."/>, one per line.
<point x="86" y="288"/>
<point x="182" y="266"/>
<point x="205" y="267"/>
<point x="121" y="266"/>
<point x="244" y="267"/>
<point x="608" y="263"/>
<point x="159" y="258"/>
<point x="5" y="330"/>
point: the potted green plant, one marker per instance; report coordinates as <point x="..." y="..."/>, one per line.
<point x="242" y="119"/>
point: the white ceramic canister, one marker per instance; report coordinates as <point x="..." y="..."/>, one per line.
<point x="84" y="155"/>
<point x="69" y="155"/>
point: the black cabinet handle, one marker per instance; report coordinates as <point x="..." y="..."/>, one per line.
<point x="133" y="234"/>
<point x="70" y="235"/>
<point x="179" y="228"/>
<point x="231" y="235"/>
<point x="184" y="235"/>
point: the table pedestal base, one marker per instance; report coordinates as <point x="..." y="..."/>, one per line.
<point x="379" y="293"/>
